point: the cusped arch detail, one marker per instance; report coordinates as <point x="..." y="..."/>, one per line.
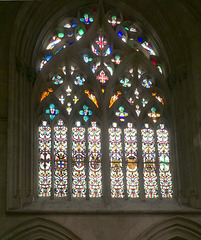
<point x="178" y="227"/>
<point x="39" y="228"/>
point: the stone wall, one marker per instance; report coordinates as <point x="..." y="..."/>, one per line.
<point x="23" y="26"/>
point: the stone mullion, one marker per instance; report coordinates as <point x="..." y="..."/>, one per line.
<point x="87" y="162"/>
<point x="140" y="162"/>
<point x="69" y="161"/>
<point x="157" y="163"/>
<point x="105" y="158"/>
<point x="52" y="159"/>
<point x="124" y="165"/>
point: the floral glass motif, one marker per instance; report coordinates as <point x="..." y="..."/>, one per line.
<point x="154" y="115"/>
<point x="52" y="111"/>
<point x="68" y="91"/>
<point x="116" y="168"/>
<point x="130" y="100"/>
<point x="46" y="93"/>
<point x="117" y="59"/>
<point x="132" y="172"/>
<point x="64" y="70"/>
<point x="79" y="80"/>
<point x="85" y="113"/>
<point x="137" y="110"/>
<point x="62" y="99"/>
<point x="75" y="99"/>
<point x="102" y="77"/>
<point x="92" y="97"/>
<point x="60" y="160"/>
<point x="69" y="108"/>
<point x="113" y="20"/>
<point x="100" y="48"/>
<point x="131" y="72"/>
<point x="144" y="102"/>
<point x="164" y="162"/>
<point x="140" y="73"/>
<point x="114" y="98"/>
<point x="86" y="58"/>
<point x="125" y="82"/>
<point x="87" y="17"/>
<point x="44" y="172"/>
<point x="149" y="162"/>
<point x="146" y="83"/>
<point x="78" y="161"/>
<point x="101" y="42"/>
<point x="121" y="114"/>
<point x="137" y="94"/>
<point x="94" y="154"/>
<point x="57" y="80"/>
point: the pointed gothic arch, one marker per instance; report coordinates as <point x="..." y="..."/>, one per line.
<point x="173" y="228"/>
<point x="137" y="81"/>
<point x="39" y="228"/>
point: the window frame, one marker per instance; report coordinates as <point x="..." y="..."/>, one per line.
<point x="33" y="159"/>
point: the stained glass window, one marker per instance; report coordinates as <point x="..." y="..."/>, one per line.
<point x="94" y="155"/>
<point x="131" y="158"/>
<point x="149" y="162"/>
<point x="116" y="166"/>
<point x="45" y="164"/>
<point x="164" y="161"/>
<point x="104" y="80"/>
<point x="78" y="161"/>
<point x="60" y="160"/>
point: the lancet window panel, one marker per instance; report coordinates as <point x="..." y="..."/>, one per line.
<point x="78" y="161"/>
<point x="53" y="164"/>
<point x="53" y="157"/>
<point x="131" y="160"/>
<point x="149" y="162"/>
<point x="45" y="160"/>
<point x="111" y="85"/>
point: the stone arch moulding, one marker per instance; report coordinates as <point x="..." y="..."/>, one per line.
<point x="173" y="227"/>
<point x="20" y="153"/>
<point x="39" y="228"/>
